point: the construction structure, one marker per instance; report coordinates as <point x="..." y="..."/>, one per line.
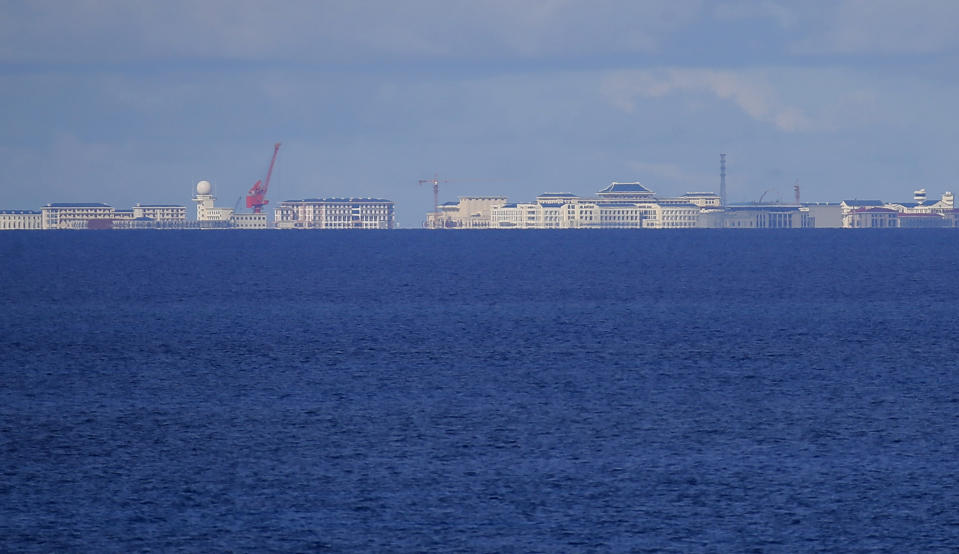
<point x="256" y="197"/>
<point x="432" y="223"/>
<point x="722" y="180"/>
<point x="471" y="212"/>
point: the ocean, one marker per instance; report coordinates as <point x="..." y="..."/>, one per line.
<point x="515" y="391"/>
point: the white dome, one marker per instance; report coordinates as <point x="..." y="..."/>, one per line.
<point x="204" y="187"/>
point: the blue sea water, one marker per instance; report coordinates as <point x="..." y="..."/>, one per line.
<point x="420" y="391"/>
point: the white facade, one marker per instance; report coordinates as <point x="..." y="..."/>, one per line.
<point x="335" y="213"/>
<point x="207" y="211"/>
<point x="871" y="218"/>
<point x="18" y="220"/>
<point x="249" y="221"/>
<point x="471" y="212"/>
<point x="765" y="216"/>
<point x="618" y="206"/>
<point x="160" y="212"/>
<point x="702" y="199"/>
<point x="76" y="215"/>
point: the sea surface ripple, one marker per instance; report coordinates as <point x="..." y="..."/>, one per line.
<point x="419" y="391"/>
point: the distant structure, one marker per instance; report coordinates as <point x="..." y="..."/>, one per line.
<point x="435" y="181"/>
<point x="920" y="213"/>
<point x="256" y="197"/>
<point x="631" y="205"/>
<point x="335" y="213"/>
<point x="722" y="180"/>
<point x="20" y="220"/>
<point x="471" y="212"/>
<point x="618" y="206"/>
<point x="209" y="216"/>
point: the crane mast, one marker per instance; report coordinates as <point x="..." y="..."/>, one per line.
<point x="256" y="197"/>
<point x="436" y="196"/>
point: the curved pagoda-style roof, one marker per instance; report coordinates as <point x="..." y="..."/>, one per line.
<point x="626" y="189"/>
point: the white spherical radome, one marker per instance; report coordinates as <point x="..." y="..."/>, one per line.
<point x="204" y="187"/>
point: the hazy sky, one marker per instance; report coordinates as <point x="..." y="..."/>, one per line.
<point x="134" y="101"/>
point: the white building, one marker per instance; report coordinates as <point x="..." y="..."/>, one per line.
<point x="618" y="206"/>
<point x="160" y="212"/>
<point x="766" y="216"/>
<point x="210" y="216"/>
<point x="922" y="212"/>
<point x="471" y="212"/>
<point x="206" y="210"/>
<point x="871" y="218"/>
<point x="67" y="215"/>
<point x="249" y="221"/>
<point x="335" y="213"/>
<point x="17" y="220"/>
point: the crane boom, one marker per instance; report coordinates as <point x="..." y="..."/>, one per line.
<point x="256" y="197"/>
<point x="436" y="194"/>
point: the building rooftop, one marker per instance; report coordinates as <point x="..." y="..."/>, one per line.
<point x="864" y="202"/>
<point x="341" y="200"/>
<point x="767" y="207"/>
<point x="77" y="205"/>
<point x="19" y="212"/>
<point x="620" y="188"/>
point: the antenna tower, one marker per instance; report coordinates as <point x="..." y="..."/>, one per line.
<point x="722" y="180"/>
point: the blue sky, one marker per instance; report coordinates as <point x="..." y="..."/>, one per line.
<point x="135" y="101"/>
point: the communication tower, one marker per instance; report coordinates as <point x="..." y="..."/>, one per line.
<point x="722" y="180"/>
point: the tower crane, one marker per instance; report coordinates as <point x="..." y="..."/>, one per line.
<point x="436" y="192"/>
<point x="256" y="197"/>
<point x="435" y="181"/>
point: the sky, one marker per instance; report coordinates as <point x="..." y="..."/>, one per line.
<point x="135" y="101"/>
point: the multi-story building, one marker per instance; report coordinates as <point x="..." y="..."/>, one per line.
<point x="211" y="216"/>
<point x="925" y="213"/>
<point x="67" y="215"/>
<point x="471" y="212"/>
<point x="766" y="216"/>
<point x="871" y="218"/>
<point x="859" y="206"/>
<point x="160" y="212"/>
<point x="206" y="209"/>
<point x="618" y="206"/>
<point x="335" y="213"/>
<point x="12" y="220"/>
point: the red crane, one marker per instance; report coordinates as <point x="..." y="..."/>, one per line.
<point x="256" y="198"/>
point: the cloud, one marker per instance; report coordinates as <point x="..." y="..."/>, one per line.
<point x="785" y="17"/>
<point x="331" y="31"/>
<point x="671" y="174"/>
<point x="880" y="26"/>
<point x="750" y="94"/>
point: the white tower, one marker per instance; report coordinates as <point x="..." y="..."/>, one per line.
<point x="204" y="200"/>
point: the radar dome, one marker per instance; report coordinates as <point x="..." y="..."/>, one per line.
<point x="204" y="187"/>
